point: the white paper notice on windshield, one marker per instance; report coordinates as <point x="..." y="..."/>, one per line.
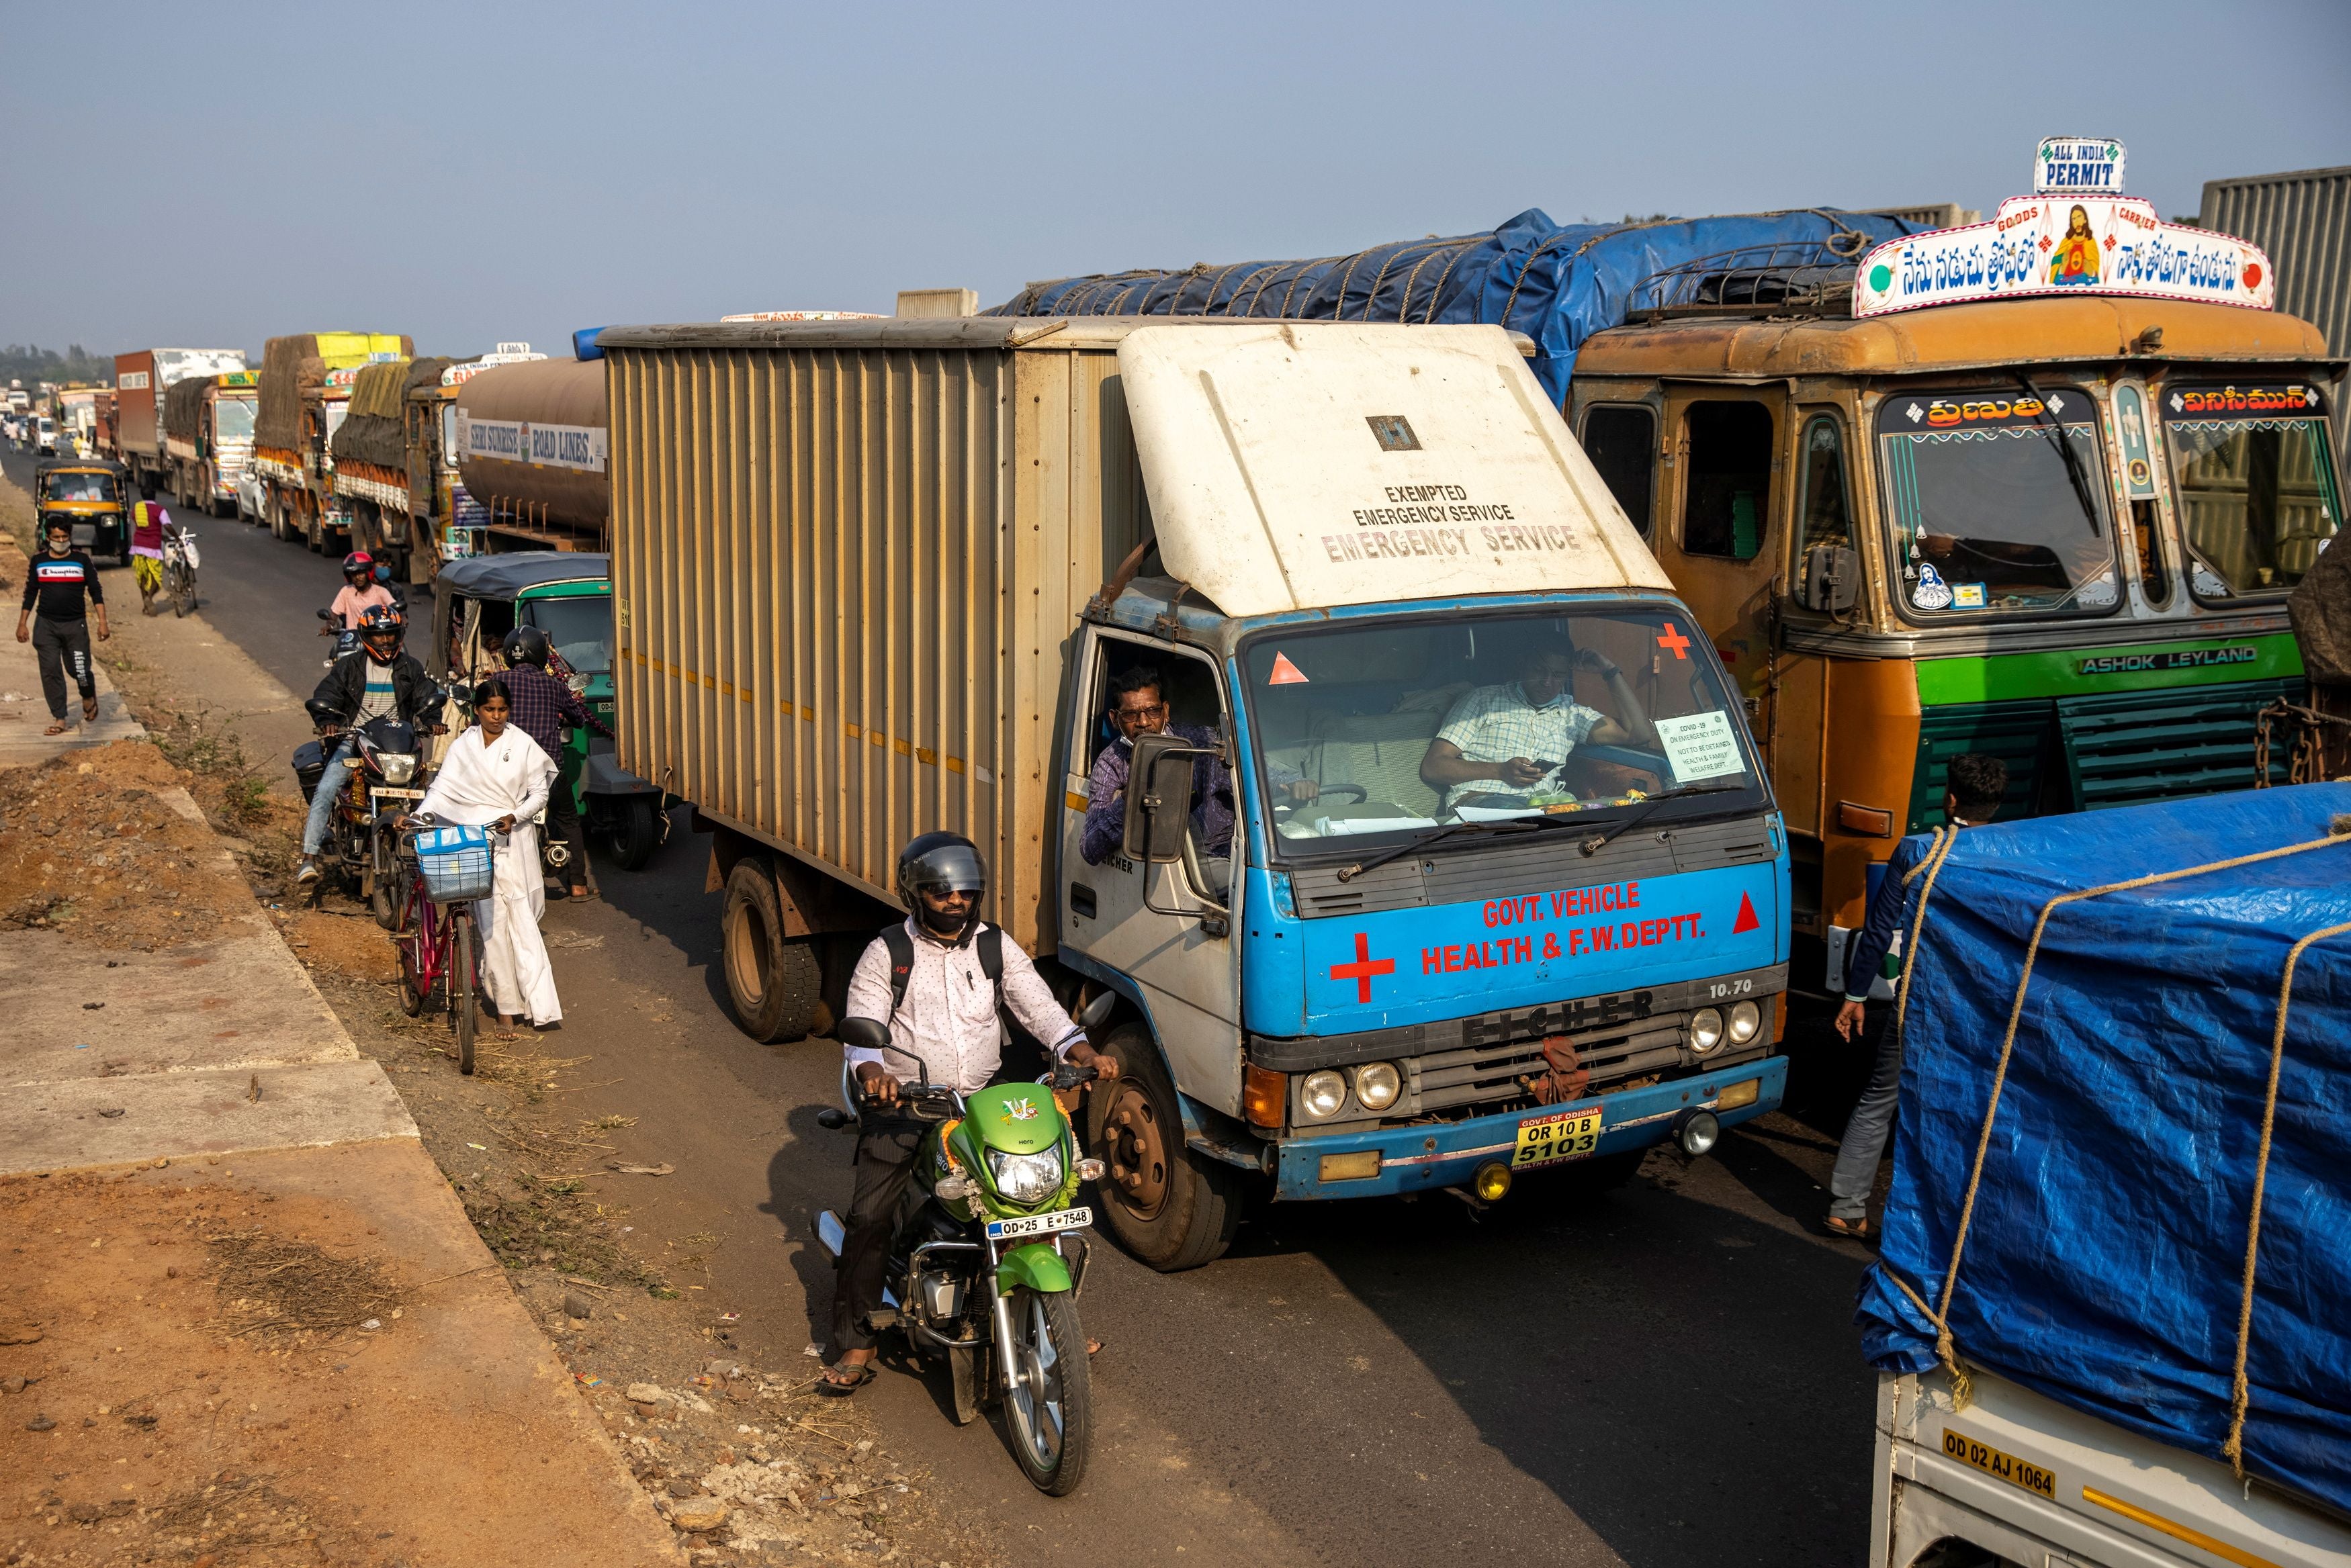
<point x="1701" y="746"/>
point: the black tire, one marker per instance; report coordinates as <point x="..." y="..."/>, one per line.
<point x="462" y="1004"/>
<point x="1053" y="1437"/>
<point x="773" y="982"/>
<point x="966" y="1370"/>
<point x="636" y="831"/>
<point x="414" y="997"/>
<point x="1172" y="1208"/>
<point x="384" y="901"/>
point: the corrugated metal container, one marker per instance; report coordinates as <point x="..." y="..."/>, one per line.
<point x="848" y="556"/>
<point x="2302" y="220"/>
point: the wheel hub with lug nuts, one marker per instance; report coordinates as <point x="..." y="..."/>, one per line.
<point x="1137" y="1151"/>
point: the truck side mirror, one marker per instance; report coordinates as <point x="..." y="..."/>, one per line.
<point x="1831" y="579"/>
<point x="1159" y="797"/>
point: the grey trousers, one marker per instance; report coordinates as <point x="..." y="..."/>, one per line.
<point x="1871" y="1124"/>
<point x="63" y="648"/>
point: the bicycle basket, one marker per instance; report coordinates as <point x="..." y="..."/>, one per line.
<point x="456" y="863"/>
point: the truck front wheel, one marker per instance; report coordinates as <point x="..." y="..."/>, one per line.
<point x="773" y="982"/>
<point x="1172" y="1208"/>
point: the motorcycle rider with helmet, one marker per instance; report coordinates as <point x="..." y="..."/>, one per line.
<point x="935" y="981"/>
<point x="360" y="593"/>
<point x="378" y="681"/>
<point x="544" y="707"/>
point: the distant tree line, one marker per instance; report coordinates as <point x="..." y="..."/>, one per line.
<point x="30" y="363"/>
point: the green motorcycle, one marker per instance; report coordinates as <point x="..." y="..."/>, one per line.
<point x="983" y="1272"/>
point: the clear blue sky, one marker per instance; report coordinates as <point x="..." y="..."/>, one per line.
<point x="216" y="175"/>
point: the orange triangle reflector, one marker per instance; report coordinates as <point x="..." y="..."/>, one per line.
<point x="1747" y="921"/>
<point x="1285" y="674"/>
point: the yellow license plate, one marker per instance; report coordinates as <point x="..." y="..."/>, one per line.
<point x="1563" y="1135"/>
<point x="2021" y="1474"/>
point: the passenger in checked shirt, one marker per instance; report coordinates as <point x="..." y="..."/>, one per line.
<point x="1512" y="739"/>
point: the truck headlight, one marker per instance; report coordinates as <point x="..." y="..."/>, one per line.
<point x="1322" y="1096"/>
<point x="1377" y="1085"/>
<point x="1705" y="1031"/>
<point x="399" y="767"/>
<point x="1025" y="1177"/>
<point x="1746" y="1018"/>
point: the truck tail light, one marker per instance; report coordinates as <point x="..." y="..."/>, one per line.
<point x="1264" y="1096"/>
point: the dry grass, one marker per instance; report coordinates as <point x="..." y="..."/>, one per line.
<point x="279" y="1285"/>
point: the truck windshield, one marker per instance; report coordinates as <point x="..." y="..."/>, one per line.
<point x="1377" y="731"/>
<point x="2256" y="490"/>
<point x="233" y="418"/>
<point x="81" y="487"/>
<point x="1987" y="512"/>
<point x="581" y="630"/>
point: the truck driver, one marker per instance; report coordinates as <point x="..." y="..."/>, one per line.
<point x="1513" y="738"/>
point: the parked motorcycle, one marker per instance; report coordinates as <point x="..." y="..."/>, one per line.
<point x="347" y="637"/>
<point x="361" y="850"/>
<point x="986" y="1274"/>
<point x="180" y="561"/>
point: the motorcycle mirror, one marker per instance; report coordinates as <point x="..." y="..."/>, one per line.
<point x="863" y="1034"/>
<point x="832" y="1119"/>
<point x="326" y="615"/>
<point x="1091" y="1016"/>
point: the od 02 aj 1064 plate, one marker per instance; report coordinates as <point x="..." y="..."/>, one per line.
<point x="1041" y="1224"/>
<point x="1560" y="1135"/>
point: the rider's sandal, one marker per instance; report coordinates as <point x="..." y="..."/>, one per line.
<point x="1853" y="1229"/>
<point x="861" y="1373"/>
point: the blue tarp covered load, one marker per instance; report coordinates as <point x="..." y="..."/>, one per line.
<point x="1558" y="283"/>
<point x="2105" y="1259"/>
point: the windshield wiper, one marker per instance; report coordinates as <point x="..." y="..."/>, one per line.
<point x="2071" y="459"/>
<point x="1502" y="824"/>
<point x="1599" y="841"/>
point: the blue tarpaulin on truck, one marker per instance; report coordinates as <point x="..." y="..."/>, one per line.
<point x="1557" y="283"/>
<point x="2104" y="1262"/>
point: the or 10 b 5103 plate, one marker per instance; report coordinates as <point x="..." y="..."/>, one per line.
<point x="1039" y="1224"/>
<point x="1561" y="1135"/>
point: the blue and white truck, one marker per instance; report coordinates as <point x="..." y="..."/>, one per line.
<point x="1447" y="857"/>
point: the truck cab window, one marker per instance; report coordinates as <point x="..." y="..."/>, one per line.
<point x="2254" y="483"/>
<point x="1621" y="440"/>
<point x="1726" y="486"/>
<point x="1138" y="690"/>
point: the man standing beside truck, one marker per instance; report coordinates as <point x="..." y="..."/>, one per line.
<point x="1978" y="780"/>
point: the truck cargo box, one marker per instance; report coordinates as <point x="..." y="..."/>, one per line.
<point x="295" y="366"/>
<point x="531" y="443"/>
<point x="140" y="381"/>
<point x="2163" y="1084"/>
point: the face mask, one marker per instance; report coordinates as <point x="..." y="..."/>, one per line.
<point x="60" y="546"/>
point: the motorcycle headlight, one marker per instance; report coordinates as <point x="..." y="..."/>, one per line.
<point x="1322" y="1095"/>
<point x="399" y="767"/>
<point x="1377" y="1085"/>
<point x="1025" y="1177"/>
<point x="1705" y="1031"/>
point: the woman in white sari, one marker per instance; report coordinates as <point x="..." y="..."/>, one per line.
<point x="497" y="776"/>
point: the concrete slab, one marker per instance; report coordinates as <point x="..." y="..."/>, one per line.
<point x="62" y="1124"/>
<point x="239" y="1002"/>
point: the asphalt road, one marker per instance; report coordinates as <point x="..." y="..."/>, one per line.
<point x="1662" y="1377"/>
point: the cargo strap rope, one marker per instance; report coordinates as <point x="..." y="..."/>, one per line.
<point x="1944" y="1349"/>
<point x="1931" y="864"/>
<point x="2240" y="1390"/>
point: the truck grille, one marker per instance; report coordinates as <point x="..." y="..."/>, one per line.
<point x="1475" y="1075"/>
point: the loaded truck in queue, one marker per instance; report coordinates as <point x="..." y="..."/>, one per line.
<point x="879" y="578"/>
<point x="306" y="388"/>
<point x="208" y="438"/>
<point x="2036" y="486"/>
<point x="530" y="442"/>
<point x="141" y="382"/>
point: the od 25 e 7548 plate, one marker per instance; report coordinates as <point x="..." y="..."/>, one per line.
<point x="1039" y="1224"/>
<point x="1560" y="1136"/>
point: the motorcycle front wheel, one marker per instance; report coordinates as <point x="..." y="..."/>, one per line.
<point x="1050" y="1412"/>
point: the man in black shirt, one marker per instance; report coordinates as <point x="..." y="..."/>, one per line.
<point x="60" y="579"/>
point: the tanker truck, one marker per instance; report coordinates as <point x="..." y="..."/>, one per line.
<point x="530" y="442"/>
<point x="396" y="459"/>
<point x="306" y="388"/>
<point x="140" y="381"/>
<point x="208" y="438"/>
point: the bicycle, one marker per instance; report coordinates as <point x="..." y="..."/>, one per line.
<point x="443" y="870"/>
<point x="180" y="558"/>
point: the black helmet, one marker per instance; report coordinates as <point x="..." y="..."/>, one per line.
<point x="525" y="645"/>
<point x="383" y="622"/>
<point x="942" y="862"/>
